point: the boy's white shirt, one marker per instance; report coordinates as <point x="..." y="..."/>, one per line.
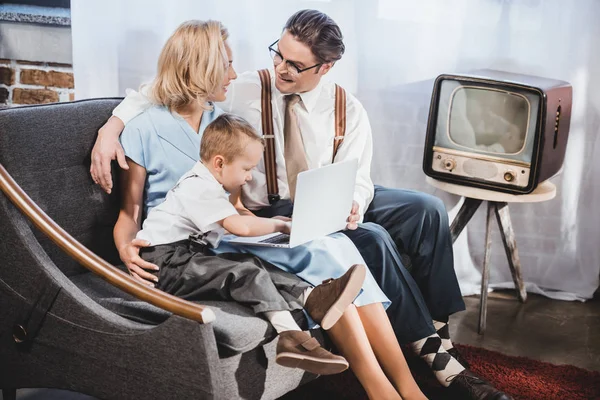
<point x="195" y="205"/>
<point x="315" y="111"/>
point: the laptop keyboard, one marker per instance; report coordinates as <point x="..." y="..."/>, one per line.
<point x="278" y="239"/>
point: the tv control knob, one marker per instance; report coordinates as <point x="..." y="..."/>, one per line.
<point x="449" y="164"/>
<point x="509" y="176"/>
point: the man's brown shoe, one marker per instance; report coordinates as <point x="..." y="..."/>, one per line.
<point x="297" y="349"/>
<point x="327" y="302"/>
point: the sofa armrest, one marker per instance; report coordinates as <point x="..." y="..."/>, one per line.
<point x="91" y="261"/>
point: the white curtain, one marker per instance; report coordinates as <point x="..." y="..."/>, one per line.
<point x="395" y="48"/>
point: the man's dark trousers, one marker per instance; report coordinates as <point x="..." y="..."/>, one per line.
<point x="418" y="224"/>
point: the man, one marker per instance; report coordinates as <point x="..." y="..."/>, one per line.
<point x="303" y="109"/>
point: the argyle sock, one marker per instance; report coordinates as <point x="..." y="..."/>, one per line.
<point x="444" y="366"/>
<point x="443" y="332"/>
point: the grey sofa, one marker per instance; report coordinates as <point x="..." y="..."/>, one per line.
<point x="62" y="326"/>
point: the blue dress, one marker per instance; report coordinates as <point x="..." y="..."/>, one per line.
<point x="167" y="147"/>
<point x="315" y="261"/>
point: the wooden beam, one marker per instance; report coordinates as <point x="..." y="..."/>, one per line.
<point x="510" y="246"/>
<point x="464" y="216"/>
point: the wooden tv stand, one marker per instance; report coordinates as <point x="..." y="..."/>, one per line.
<point x="497" y="204"/>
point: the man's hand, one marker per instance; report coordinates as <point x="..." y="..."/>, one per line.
<point x="354" y="217"/>
<point x="137" y="266"/>
<point x="106" y="149"/>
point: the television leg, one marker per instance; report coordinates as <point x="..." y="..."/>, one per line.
<point x="485" y="275"/>
<point x="463" y="217"/>
<point x="9" y="394"/>
<point x="510" y="246"/>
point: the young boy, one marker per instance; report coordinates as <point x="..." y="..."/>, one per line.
<point x="185" y="228"/>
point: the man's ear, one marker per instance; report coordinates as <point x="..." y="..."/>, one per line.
<point x="325" y="68"/>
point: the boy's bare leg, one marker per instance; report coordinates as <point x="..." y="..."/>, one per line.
<point x="387" y="350"/>
<point x="351" y="340"/>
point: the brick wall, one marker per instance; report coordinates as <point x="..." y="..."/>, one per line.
<point x="24" y="82"/>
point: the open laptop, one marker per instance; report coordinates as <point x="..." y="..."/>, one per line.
<point x="322" y="206"/>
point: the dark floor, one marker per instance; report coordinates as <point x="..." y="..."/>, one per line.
<point x="558" y="332"/>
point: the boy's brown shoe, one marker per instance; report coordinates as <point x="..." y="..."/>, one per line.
<point x="328" y="301"/>
<point x="297" y="349"/>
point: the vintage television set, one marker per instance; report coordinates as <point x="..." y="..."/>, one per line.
<point x="497" y="130"/>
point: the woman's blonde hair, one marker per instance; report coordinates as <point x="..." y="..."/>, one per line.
<point x="192" y="64"/>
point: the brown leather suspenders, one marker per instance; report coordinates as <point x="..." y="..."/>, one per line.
<point x="269" y="134"/>
<point x="340" y="119"/>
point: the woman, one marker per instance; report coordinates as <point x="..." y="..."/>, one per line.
<point x="194" y="70"/>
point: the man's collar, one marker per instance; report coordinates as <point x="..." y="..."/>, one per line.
<point x="309" y="99"/>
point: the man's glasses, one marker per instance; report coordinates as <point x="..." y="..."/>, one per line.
<point x="292" y="68"/>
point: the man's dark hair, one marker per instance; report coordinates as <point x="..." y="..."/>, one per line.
<point x="319" y="32"/>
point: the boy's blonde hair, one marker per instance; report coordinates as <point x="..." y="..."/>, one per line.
<point x="192" y="64"/>
<point x="227" y="136"/>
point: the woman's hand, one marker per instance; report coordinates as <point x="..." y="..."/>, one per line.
<point x="137" y="266"/>
<point x="106" y="149"/>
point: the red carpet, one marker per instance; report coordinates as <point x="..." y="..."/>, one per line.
<point x="521" y="377"/>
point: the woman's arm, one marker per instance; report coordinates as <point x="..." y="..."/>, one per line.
<point x="246" y="225"/>
<point x="130" y="221"/>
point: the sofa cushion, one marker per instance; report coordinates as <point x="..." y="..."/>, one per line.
<point x="237" y="329"/>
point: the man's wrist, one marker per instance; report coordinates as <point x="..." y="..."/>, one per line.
<point x="112" y="128"/>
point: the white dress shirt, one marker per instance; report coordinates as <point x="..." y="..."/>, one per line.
<point x="195" y="205"/>
<point x="316" y="119"/>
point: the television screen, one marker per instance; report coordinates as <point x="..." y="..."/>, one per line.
<point x="489" y="120"/>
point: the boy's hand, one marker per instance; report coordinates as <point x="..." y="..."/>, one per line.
<point x="282" y="218"/>
<point x="283" y="224"/>
<point x="354" y="217"/>
<point x="287" y="227"/>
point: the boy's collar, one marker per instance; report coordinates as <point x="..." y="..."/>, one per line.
<point x="200" y="169"/>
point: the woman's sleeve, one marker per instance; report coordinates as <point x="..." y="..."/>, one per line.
<point x="133" y="144"/>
